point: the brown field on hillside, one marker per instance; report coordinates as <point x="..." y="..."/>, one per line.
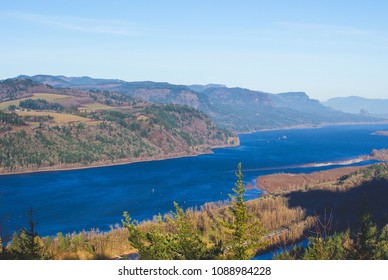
<point x="50" y="97"/>
<point x="94" y="107"/>
<point x="59" y="118"/>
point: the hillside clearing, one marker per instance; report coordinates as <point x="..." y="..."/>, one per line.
<point x="59" y="118"/>
<point x="50" y="97"/>
<point x="94" y="107"/>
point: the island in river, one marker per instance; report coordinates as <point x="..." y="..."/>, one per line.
<point x="381" y="132"/>
<point x="287" y="182"/>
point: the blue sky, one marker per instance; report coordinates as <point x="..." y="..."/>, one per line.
<point x="325" y="48"/>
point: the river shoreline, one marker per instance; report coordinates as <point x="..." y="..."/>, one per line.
<point x="174" y="156"/>
<point x="113" y="163"/>
<point x="305" y="126"/>
<point x="68" y="201"/>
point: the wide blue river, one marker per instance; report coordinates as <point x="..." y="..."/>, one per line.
<point x="67" y="201"/>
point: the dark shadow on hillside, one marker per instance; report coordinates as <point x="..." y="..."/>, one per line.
<point x="346" y="207"/>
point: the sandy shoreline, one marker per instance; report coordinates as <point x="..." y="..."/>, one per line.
<point x="342" y="162"/>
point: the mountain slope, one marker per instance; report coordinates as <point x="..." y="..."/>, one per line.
<point x="355" y="105"/>
<point x="75" y="82"/>
<point x="201" y="88"/>
<point x="18" y="88"/>
<point x="73" y="128"/>
<point x="246" y="110"/>
<point x="149" y="91"/>
<point x="237" y="109"/>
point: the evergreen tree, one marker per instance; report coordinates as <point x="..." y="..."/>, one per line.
<point x="187" y="243"/>
<point x="63" y="242"/>
<point x="336" y="247"/>
<point x="244" y="232"/>
<point x="369" y="243"/>
<point x="183" y="244"/>
<point x="29" y="245"/>
<point x="382" y="245"/>
<point x="367" y="238"/>
<point x="153" y="245"/>
<point x="15" y="246"/>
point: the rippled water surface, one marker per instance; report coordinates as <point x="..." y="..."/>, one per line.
<point x="73" y="200"/>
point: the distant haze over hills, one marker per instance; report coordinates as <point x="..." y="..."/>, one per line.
<point x="200" y="88"/>
<point x="237" y="109"/>
<point x="356" y="105"/>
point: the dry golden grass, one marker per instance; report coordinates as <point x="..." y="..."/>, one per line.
<point x="94" y="107"/>
<point x="59" y="118"/>
<point x="46" y="96"/>
<point x="4" y="105"/>
<point x="142" y="118"/>
<point x="51" y="97"/>
<point x="89" y="245"/>
<point x="282" y="223"/>
<point x="284" y="183"/>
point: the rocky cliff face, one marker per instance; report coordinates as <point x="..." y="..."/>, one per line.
<point x="237" y="109"/>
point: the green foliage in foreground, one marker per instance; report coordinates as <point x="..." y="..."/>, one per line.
<point x="369" y="243"/>
<point x="183" y="244"/>
<point x="243" y="236"/>
<point x="25" y="245"/>
<point x="184" y="241"/>
<point x="217" y="231"/>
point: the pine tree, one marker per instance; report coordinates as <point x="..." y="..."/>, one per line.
<point x="29" y="246"/>
<point x="63" y="242"/>
<point x="382" y="245"/>
<point x="184" y="244"/>
<point x="244" y="232"/>
<point x="367" y="238"/>
<point x="15" y="246"/>
<point x="336" y="247"/>
<point x="187" y="243"/>
<point x="153" y="245"/>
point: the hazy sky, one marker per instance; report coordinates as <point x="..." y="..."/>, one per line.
<point x="325" y="48"/>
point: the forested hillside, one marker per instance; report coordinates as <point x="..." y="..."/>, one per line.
<point x="72" y="128"/>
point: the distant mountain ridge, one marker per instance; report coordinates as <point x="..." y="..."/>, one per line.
<point x="11" y="89"/>
<point x="237" y="109"/>
<point x="200" y="88"/>
<point x="356" y="105"/>
<point x="63" y="81"/>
